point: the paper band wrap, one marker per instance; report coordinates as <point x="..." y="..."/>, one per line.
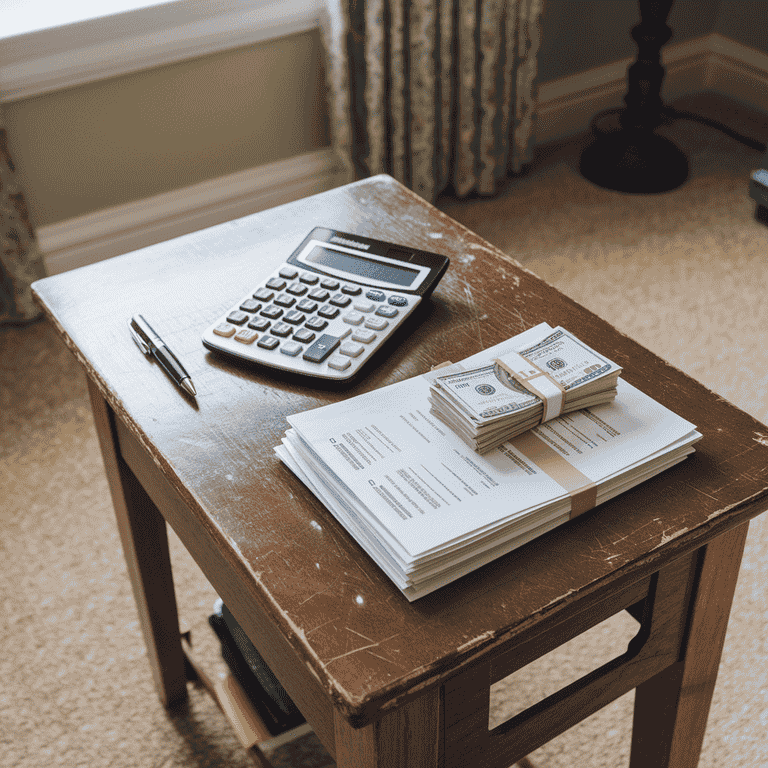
<point x="536" y="381"/>
<point x="582" y="490"/>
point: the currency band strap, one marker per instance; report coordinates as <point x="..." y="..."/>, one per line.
<point x="582" y="490"/>
<point x="536" y="381"/>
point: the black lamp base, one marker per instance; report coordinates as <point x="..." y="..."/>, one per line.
<point x="634" y="160"/>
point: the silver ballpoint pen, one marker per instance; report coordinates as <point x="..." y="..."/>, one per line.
<point x="150" y="343"/>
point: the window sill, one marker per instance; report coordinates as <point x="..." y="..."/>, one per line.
<point x="41" y="61"/>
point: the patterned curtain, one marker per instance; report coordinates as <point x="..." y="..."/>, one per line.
<point x="20" y="260"/>
<point x="433" y="92"/>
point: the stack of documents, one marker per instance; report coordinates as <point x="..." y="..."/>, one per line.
<point x="490" y="403"/>
<point x="428" y="509"/>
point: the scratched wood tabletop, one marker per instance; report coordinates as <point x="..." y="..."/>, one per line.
<point x="277" y="548"/>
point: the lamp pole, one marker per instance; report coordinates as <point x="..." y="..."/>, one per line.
<point x="626" y="153"/>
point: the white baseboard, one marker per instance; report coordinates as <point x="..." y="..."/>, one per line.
<point x="73" y="48"/>
<point x="567" y="105"/>
<point x="113" y="231"/>
<point x="712" y="62"/>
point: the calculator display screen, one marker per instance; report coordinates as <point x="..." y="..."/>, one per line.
<point x="365" y="267"/>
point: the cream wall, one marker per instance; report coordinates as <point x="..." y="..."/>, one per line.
<point x="114" y="141"/>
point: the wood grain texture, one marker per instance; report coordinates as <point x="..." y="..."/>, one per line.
<point x="468" y="740"/>
<point x="145" y="546"/>
<point x="671" y="709"/>
<point x="407" y="737"/>
<point x="328" y="605"/>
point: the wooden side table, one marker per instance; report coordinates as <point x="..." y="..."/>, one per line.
<point x="384" y="682"/>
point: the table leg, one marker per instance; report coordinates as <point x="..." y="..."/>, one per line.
<point x="406" y="737"/>
<point x="145" y="545"/>
<point x="671" y="709"/>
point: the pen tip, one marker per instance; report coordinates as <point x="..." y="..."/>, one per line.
<point x="189" y="386"/>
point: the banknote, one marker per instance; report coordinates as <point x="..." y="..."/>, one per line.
<point x="489" y="392"/>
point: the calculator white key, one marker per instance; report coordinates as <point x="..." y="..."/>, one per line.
<point x="329" y="308"/>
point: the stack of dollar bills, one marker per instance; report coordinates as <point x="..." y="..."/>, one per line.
<point x="488" y="404"/>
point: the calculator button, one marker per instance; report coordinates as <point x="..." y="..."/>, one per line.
<point x="267" y="342"/>
<point x="259" y="324"/>
<point x="309" y="278"/>
<point x="340" y="300"/>
<point x="297" y="289"/>
<point x="294" y="317"/>
<point x="316" y="323"/>
<point x="305" y="305"/>
<point x="398" y="301"/>
<point x="224" y="329"/>
<point x="385" y="310"/>
<point x="271" y="312"/>
<point x="331" y="285"/>
<point x="249" y="305"/>
<point x="304" y="335"/>
<point x="318" y="294"/>
<point x="329" y="312"/>
<point x="263" y="294"/>
<point x="281" y="329"/>
<point x="339" y="362"/>
<point x="375" y="295"/>
<point x="289" y="273"/>
<point x="351" y="290"/>
<point x="353" y="318"/>
<point x="237" y="317"/>
<point x="361" y="334"/>
<point x="364" y="306"/>
<point x="284" y="300"/>
<point x="246" y="336"/>
<point x="351" y="349"/>
<point x="321" y="349"/>
<point x="376" y="323"/>
<point x="291" y="348"/>
<point x="275" y="283"/>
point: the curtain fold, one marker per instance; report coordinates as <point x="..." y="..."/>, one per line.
<point x="21" y="262"/>
<point x="433" y="92"/>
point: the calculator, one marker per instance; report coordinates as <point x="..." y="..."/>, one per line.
<point x="330" y="307"/>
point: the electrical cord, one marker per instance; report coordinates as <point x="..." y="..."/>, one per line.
<point x="670" y="113"/>
<point x="682" y="114"/>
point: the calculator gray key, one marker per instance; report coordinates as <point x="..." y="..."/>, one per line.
<point x="275" y="283"/>
<point x="284" y="300"/>
<point x="340" y="300"/>
<point x="263" y="294"/>
<point x="316" y="323"/>
<point x="297" y="289"/>
<point x="237" y="317"/>
<point x="267" y="342"/>
<point x="385" y="310"/>
<point x="304" y="335"/>
<point x="318" y="294"/>
<point x="322" y="348"/>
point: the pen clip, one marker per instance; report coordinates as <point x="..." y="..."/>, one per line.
<point x="140" y="343"/>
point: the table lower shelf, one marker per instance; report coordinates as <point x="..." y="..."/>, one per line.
<point x="250" y="729"/>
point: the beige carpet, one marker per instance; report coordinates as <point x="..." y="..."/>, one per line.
<point x="684" y="273"/>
